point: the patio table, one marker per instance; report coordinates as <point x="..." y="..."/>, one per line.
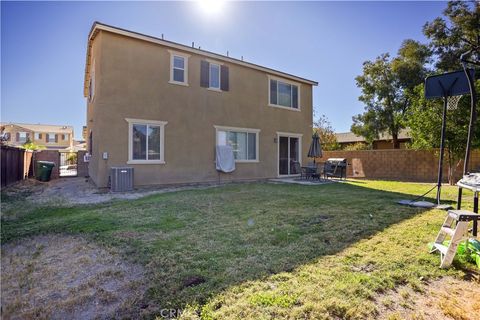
<point x="311" y="171"/>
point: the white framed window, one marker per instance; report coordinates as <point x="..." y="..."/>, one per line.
<point x="38" y="136"/>
<point x="244" y="141"/>
<point x="283" y="94"/>
<point x="214" y="76"/>
<point x="178" y="68"/>
<point x="65" y="136"/>
<point x="146" y="141"/>
<point x="22" y="137"/>
<point x="51" y="137"/>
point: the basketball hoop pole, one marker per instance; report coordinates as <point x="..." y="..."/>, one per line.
<point x="442" y="146"/>
<point x="473" y="111"/>
<point x="446" y="94"/>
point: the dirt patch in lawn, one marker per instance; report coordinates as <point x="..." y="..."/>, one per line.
<point x="77" y="190"/>
<point x="442" y="299"/>
<point x="67" y="277"/>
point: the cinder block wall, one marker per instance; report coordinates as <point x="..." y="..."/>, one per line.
<point x="403" y="164"/>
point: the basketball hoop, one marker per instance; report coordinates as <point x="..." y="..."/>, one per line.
<point x="452" y="102"/>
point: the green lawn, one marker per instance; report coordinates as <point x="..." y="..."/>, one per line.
<point x="262" y="250"/>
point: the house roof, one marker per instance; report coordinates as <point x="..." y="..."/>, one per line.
<point x="348" y="137"/>
<point x="98" y="26"/>
<point x="41" y="127"/>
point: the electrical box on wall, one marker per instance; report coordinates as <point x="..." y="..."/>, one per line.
<point x="105" y="156"/>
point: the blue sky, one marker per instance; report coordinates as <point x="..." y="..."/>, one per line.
<point x="43" y="46"/>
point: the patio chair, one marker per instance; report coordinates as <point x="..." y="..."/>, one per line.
<point x="298" y="168"/>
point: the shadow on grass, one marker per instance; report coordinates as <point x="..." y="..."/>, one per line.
<point x="196" y="244"/>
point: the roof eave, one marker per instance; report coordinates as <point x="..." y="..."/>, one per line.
<point x="97" y="26"/>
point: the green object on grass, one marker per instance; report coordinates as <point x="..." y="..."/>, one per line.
<point x="471" y="255"/>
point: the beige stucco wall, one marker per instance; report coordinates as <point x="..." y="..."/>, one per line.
<point x="132" y="81"/>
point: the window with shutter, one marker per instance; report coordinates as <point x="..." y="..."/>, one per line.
<point x="51" y="137"/>
<point x="214" y="76"/>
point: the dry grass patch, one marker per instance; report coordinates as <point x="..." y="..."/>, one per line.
<point x="66" y="277"/>
<point x="442" y="299"/>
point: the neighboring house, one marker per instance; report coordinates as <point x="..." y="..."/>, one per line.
<point x="162" y="107"/>
<point x="49" y="136"/>
<point x="384" y="142"/>
<point x="79" y="145"/>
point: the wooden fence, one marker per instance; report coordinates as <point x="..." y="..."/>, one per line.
<point x="15" y="164"/>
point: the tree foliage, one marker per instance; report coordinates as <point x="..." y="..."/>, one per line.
<point x="387" y="84"/>
<point x="449" y="37"/>
<point x="425" y="122"/>
<point x="454" y="34"/>
<point x="324" y="128"/>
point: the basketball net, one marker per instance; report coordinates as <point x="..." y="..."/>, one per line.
<point x="452" y="102"/>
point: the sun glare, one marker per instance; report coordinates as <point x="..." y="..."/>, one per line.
<point x="211" y="7"/>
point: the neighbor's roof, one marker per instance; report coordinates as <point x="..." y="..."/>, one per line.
<point x="97" y="26"/>
<point x="346" y="137"/>
<point x="41" y="127"/>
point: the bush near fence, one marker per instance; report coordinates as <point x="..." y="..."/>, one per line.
<point x="398" y="164"/>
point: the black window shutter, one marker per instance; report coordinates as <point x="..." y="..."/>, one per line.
<point x="17" y="138"/>
<point x="28" y="136"/>
<point x="39" y="136"/>
<point x="224" y="85"/>
<point x="273" y="92"/>
<point x="204" y="74"/>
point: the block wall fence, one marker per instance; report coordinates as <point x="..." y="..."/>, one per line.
<point x="399" y="164"/>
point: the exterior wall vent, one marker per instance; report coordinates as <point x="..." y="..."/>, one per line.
<point x="121" y="179"/>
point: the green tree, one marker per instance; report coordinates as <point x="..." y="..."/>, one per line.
<point x="328" y="139"/>
<point x="455" y="33"/>
<point x="29" y="145"/>
<point x="449" y="37"/>
<point x="357" y="146"/>
<point x="387" y="84"/>
<point x="425" y="123"/>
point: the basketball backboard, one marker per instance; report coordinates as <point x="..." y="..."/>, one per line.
<point x="450" y="84"/>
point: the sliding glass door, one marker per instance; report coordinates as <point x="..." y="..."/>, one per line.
<point x="288" y="155"/>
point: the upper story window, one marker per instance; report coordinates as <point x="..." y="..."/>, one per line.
<point x="178" y="68"/>
<point x="22" y="137"/>
<point x="283" y="94"/>
<point x="146" y="141"/>
<point x="214" y="76"/>
<point x="65" y="136"/>
<point x="38" y="136"/>
<point x="51" y="137"/>
<point x="243" y="141"/>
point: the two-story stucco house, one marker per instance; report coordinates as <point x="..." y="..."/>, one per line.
<point x="46" y="135"/>
<point x="162" y="107"/>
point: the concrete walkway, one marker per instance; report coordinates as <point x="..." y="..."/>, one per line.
<point x="302" y="181"/>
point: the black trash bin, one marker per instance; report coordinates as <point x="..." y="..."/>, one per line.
<point x="44" y="170"/>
